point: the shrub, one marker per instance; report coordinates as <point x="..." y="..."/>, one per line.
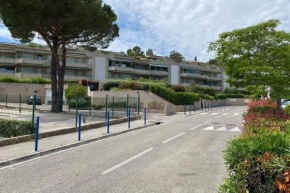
<point x="287" y="110"/>
<point x="235" y="96"/>
<point x="207" y="97"/>
<point x="12" y="128"/>
<point x="8" y="79"/>
<point x="110" y="83"/>
<point x="131" y="85"/>
<point x="174" y="97"/>
<point x="178" y="88"/>
<point x="40" y="80"/>
<point x="74" y="90"/>
<point x="221" y="96"/>
<point x="82" y="103"/>
<point x="201" y="90"/>
<point x="36" y="80"/>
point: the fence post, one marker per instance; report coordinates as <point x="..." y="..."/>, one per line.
<point x="6" y="100"/>
<point x="144" y="116"/>
<point x="33" y="109"/>
<point x="108" y="122"/>
<point x="36" y="134"/>
<point x="20" y="103"/>
<point x="90" y="105"/>
<point x="80" y="126"/>
<point x="113" y="106"/>
<point x="77" y="103"/>
<point x="106" y="106"/>
<point x="129" y="119"/>
<point x="138" y="102"/>
<point x="127" y="104"/>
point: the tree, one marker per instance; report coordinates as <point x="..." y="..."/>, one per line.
<point x="176" y="56"/>
<point x="76" y="90"/>
<point x="257" y="55"/>
<point x="60" y="23"/>
<point x="231" y="90"/>
<point x="149" y="52"/>
<point x="213" y="62"/>
<point x="136" y="51"/>
<point x="195" y="58"/>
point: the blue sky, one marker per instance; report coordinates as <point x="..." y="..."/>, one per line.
<point x="184" y="25"/>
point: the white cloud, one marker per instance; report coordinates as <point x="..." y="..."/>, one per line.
<point x="188" y="25"/>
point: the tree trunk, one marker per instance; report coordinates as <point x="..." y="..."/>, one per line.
<point x="60" y="75"/>
<point x="278" y="99"/>
<point x="53" y="76"/>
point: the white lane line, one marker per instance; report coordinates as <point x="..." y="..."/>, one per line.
<point x="236" y="129"/>
<point x="173" y="137"/>
<point x="208" y="121"/>
<point x="127" y="161"/>
<point x="214" y="114"/>
<point x="217" y="117"/>
<point x="236" y="114"/>
<point x="225" y="113"/>
<point x="202" y="113"/>
<point x="221" y="129"/>
<point x="209" y="128"/>
<point x="196" y="127"/>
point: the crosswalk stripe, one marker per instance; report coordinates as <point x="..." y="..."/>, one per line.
<point x="196" y="127"/>
<point x="236" y="129"/>
<point x="225" y="113"/>
<point x="214" y="114"/>
<point x="236" y="113"/>
<point x="203" y="113"/>
<point x="208" y="128"/>
<point x="221" y="129"/>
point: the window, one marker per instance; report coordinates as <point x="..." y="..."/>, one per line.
<point x="39" y="57"/>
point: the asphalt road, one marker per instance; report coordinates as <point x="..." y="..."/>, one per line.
<point x="181" y="155"/>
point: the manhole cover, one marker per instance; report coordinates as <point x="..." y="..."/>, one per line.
<point x="216" y="123"/>
<point x="231" y="124"/>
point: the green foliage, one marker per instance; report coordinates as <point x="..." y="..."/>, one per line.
<point x="201" y="90"/>
<point x="176" y="56"/>
<point x="36" y="80"/>
<point x="207" y="97"/>
<point x="13" y="128"/>
<point x="178" y="88"/>
<point x="74" y="90"/>
<point x="136" y="51"/>
<point x="287" y="109"/>
<point x="231" y="90"/>
<point x="235" y="96"/>
<point x="82" y="102"/>
<point x="107" y="84"/>
<point x="256" y="55"/>
<point x="131" y="85"/>
<point x="35" y="45"/>
<point x="177" y="98"/>
<point x="149" y="52"/>
<point x="229" y="186"/>
<point x="221" y="96"/>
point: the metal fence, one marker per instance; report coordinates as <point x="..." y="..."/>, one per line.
<point x="92" y="110"/>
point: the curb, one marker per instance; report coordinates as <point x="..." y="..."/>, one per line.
<point x="69" y="146"/>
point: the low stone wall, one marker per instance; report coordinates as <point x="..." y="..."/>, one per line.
<point x="26" y="138"/>
<point x="237" y="102"/>
<point x="180" y="108"/>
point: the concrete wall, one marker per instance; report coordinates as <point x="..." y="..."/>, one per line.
<point x="180" y="108"/>
<point x="14" y="89"/>
<point x="238" y="102"/>
<point x="145" y="98"/>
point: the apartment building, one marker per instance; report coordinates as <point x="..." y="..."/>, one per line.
<point x="23" y="61"/>
<point x="114" y="65"/>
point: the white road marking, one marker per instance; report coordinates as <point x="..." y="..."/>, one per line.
<point x="236" y="114"/>
<point x="127" y="161"/>
<point x="196" y="127"/>
<point x="217" y="117"/>
<point x="221" y="129"/>
<point x="225" y="113"/>
<point x="173" y="137"/>
<point x="208" y="121"/>
<point x="214" y="114"/>
<point x="209" y="128"/>
<point x="236" y="129"/>
<point x="203" y="113"/>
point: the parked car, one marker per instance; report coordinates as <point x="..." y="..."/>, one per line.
<point x="285" y="102"/>
<point x="30" y="100"/>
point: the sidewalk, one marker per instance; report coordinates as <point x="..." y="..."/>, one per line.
<point x="27" y="148"/>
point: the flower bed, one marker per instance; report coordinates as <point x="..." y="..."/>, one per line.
<point x="259" y="160"/>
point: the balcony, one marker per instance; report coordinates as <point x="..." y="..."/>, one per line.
<point x="7" y="74"/>
<point x="141" y="72"/>
<point x="78" y="77"/>
<point x="7" y="61"/>
<point x="190" y="75"/>
<point x="216" y="87"/>
<point x="203" y="85"/>
<point x="204" y="76"/>
<point x="120" y="69"/>
<point x="215" y="70"/>
<point x="33" y="61"/>
<point x="215" y="78"/>
<point x="159" y="73"/>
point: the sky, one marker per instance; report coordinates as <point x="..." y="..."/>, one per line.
<point x="186" y="26"/>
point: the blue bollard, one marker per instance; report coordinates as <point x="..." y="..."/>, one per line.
<point x="129" y="118"/>
<point x="208" y="106"/>
<point x="202" y="106"/>
<point x="108" y="122"/>
<point x="36" y="133"/>
<point x="194" y="109"/>
<point x="205" y="106"/>
<point x="190" y="109"/>
<point x="184" y="109"/>
<point x="80" y="126"/>
<point x="144" y="116"/>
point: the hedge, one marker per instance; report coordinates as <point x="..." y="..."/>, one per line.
<point x="131" y="85"/>
<point x="35" y="80"/>
<point x="13" y="128"/>
<point x="178" y="88"/>
<point x="177" y="98"/>
<point x="235" y="96"/>
<point x="207" y="97"/>
<point x="221" y="96"/>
